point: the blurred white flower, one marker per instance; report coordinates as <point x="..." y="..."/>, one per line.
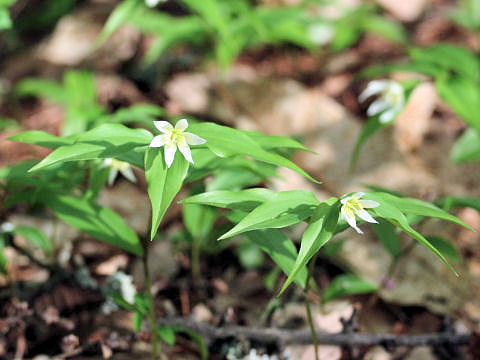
<point x="120" y="284"/>
<point x="353" y="206"/>
<point x="390" y="102"/>
<point x="116" y="166"/>
<point x="320" y="33"/>
<point x="173" y="137"/>
<point x="7" y="227"/>
<point x="153" y="3"/>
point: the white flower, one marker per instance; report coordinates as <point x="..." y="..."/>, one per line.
<point x="173" y="137"/>
<point x="153" y="3"/>
<point x="320" y="33"/>
<point x="7" y="227"/>
<point x="116" y="166"/>
<point x="352" y="206"/>
<point x="390" y="103"/>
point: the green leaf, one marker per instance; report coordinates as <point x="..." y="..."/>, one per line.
<point x="163" y="182"/>
<point x="195" y="337"/>
<point x="467" y="147"/>
<point x="3" y="259"/>
<point x="283" y="209"/>
<point x="388" y="210"/>
<point x="49" y="89"/>
<point x="105" y="141"/>
<point x="137" y="321"/>
<point x="388" y="29"/>
<point x="281" y="249"/>
<point x="320" y="229"/>
<point x="272" y="142"/>
<point x="347" y="284"/>
<point x="143" y="114"/>
<point x="463" y="95"/>
<point x="35" y="237"/>
<point x="167" y="334"/>
<point x="250" y="255"/>
<point x="225" y="142"/>
<point x="445" y="247"/>
<point x="99" y="222"/>
<point x="119" y="16"/>
<point x="419" y="207"/>
<point x="245" y="200"/>
<point x="372" y="126"/>
<point x="198" y="219"/>
<point x="459" y="201"/>
<point x="388" y="237"/>
<point x="5" y="21"/>
<point x="42" y="138"/>
<point x="449" y="58"/>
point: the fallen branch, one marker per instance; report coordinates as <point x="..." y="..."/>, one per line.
<point x="283" y="337"/>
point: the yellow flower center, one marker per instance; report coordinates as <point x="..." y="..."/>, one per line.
<point x="119" y="165"/>
<point x="176" y="136"/>
<point x="352" y="206"/>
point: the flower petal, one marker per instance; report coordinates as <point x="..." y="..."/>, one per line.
<point x="349" y="219"/>
<point x="344" y="200"/>
<point x="181" y="124"/>
<point x="377" y="107"/>
<point x="364" y="215"/>
<point x="193" y="139"/>
<point x="163" y="126"/>
<point x="169" y="152"/>
<point x="369" y="203"/>
<point x="106" y="163"/>
<point x="358" y="195"/>
<point x="128" y="174"/>
<point x="159" y="140"/>
<point x="185" y="150"/>
<point x="388" y="116"/>
<point x="112" y="176"/>
<point x="374" y="87"/>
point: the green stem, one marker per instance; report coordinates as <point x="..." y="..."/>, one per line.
<point x="307" y="305"/>
<point x="151" y="314"/>
<point x="196" y="259"/>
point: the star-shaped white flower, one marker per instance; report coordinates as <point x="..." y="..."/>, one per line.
<point x="390" y="102"/>
<point x="353" y="206"/>
<point x="118" y="166"/>
<point x="173" y="137"/>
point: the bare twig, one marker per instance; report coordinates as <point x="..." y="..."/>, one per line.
<point x="284" y="336"/>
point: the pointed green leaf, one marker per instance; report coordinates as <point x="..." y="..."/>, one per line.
<point x="467" y="147"/>
<point x="283" y="209"/>
<point x="163" y="182"/>
<point x="347" y="284"/>
<point x="225" y="142"/>
<point x="35" y="237"/>
<point x="320" y="229"/>
<point x="460" y="201"/>
<point x="100" y="222"/>
<point x="390" y="212"/>
<point x="105" y="141"/>
<point x="418" y="207"/>
<point x="271" y="142"/>
<point x="445" y="247"/>
<point x="281" y="249"/>
<point x="372" y="126"/>
<point x="388" y="237"/>
<point x="119" y="16"/>
<point x="245" y="200"/>
<point x="42" y="138"/>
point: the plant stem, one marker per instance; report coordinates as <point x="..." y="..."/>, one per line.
<point x="307" y="305"/>
<point x="196" y="259"/>
<point x="151" y="314"/>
